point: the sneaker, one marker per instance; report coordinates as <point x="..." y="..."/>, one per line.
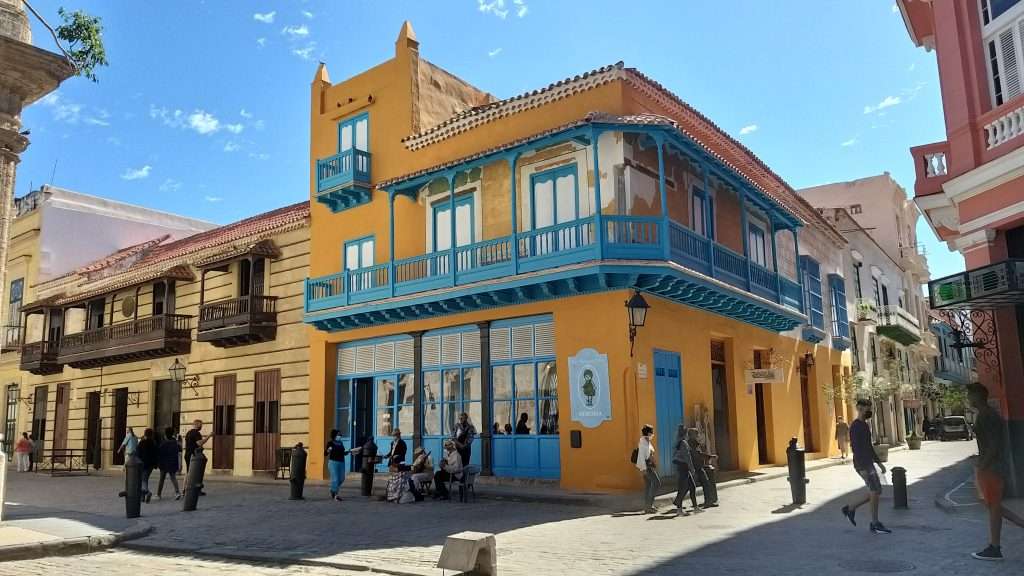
<point x="651" y="510"/>
<point x="878" y="528"/>
<point x="850" y="515"/>
<point x="709" y="505"/>
<point x="177" y="496"/>
<point x="991" y="553"/>
<point x="697" y="510"/>
<point x="338" y="498"/>
<point x="681" y="512"/>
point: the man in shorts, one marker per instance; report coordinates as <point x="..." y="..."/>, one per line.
<point x="991" y="469"/>
<point x="864" y="460"/>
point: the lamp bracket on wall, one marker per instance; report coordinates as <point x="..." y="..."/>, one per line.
<point x="134" y="396"/>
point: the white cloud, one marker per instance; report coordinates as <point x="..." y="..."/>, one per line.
<point x="912" y="66"/>
<point x="170" y="185"/>
<point x="93" y="121"/>
<point x="63" y="110"/>
<point x="262" y="42"/>
<point x="305" y="53"/>
<point x="245" y="113"/>
<point x="136" y="173"/>
<point x="113" y="140"/>
<point x="494" y="52"/>
<point x="267" y="18"/>
<point x="887" y="102"/>
<point x="848" y="143"/>
<point x="231" y="146"/>
<point x="521" y="8"/>
<point x="213" y="199"/>
<point x="258" y="125"/>
<point x="496" y="7"/>
<point x="748" y="129"/>
<point x="234" y="128"/>
<point x="203" y="122"/>
<point x="172" y="118"/>
<point x="260" y="156"/>
<point x="307" y="14"/>
<point x="296" y="31"/>
<point x="895" y="9"/>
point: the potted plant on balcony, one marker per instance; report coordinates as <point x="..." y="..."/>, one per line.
<point x="866" y="310"/>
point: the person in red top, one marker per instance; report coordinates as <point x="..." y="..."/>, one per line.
<point x="21" y="451"/>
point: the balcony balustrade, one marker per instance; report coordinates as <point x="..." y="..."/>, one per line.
<point x="238" y="321"/>
<point x="152" y="337"/>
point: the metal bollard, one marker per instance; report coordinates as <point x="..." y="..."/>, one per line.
<point x="899" y="488"/>
<point x="132" y="487"/>
<point x="297" y="472"/>
<point x="797" y="472"/>
<point x="194" y="481"/>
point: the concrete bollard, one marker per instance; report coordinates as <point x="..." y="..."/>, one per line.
<point x="899" y="488"/>
<point x="474" y="552"/>
<point x="297" y="472"/>
<point x="194" y="481"/>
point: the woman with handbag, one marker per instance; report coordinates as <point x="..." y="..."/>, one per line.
<point x="647" y="464"/>
<point x="684" y="472"/>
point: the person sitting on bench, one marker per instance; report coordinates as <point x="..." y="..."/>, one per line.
<point x="451" y="467"/>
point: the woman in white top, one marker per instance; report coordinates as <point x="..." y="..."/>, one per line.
<point x="646" y="463"/>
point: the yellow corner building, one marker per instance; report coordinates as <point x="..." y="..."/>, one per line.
<point x="476" y="255"/>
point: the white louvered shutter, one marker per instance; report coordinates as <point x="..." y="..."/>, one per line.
<point x="544" y="339"/>
<point x="346" y="361"/>
<point x="364" y="359"/>
<point x="451" y="349"/>
<point x="522" y="341"/>
<point x="431" y="351"/>
<point x="1009" y="63"/>
<point x="404" y="355"/>
<point x="384" y="357"/>
<point x="471" y="347"/>
<point x="500" y="344"/>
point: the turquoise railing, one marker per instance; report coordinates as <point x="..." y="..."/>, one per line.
<point x="624" y="238"/>
<point x="344" y="167"/>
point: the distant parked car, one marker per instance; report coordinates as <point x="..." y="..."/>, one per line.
<point x="956" y="428"/>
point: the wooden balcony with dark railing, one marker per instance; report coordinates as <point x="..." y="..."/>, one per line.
<point x="238" y="321"/>
<point x="40" y="358"/>
<point x="153" y="337"/>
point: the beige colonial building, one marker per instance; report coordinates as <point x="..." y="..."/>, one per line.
<point x="225" y="304"/>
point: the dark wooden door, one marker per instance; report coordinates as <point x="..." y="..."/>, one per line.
<point x="723" y="440"/>
<point x="60" y="416"/>
<point x="39" y="400"/>
<point x="805" y="401"/>
<point x="266" y="420"/>
<point x="224" y="388"/>
<point x="167" y="407"/>
<point x="761" y="413"/>
<point x="120" y="423"/>
<point x="93" y="425"/>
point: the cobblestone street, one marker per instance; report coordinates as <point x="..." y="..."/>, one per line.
<point x="753" y="531"/>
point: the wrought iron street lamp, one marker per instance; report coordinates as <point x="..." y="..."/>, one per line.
<point x="179" y="377"/>
<point x="637" y="308"/>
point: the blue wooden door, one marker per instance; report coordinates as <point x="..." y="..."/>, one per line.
<point x="668" y="401"/>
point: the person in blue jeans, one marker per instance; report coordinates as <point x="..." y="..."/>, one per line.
<point x="336" y="452"/>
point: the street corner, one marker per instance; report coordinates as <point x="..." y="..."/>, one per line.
<point x="960" y="497"/>
<point x="44" y="536"/>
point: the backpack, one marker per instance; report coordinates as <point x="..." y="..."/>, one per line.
<point x="635" y="455"/>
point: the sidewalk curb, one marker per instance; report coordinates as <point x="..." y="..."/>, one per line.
<point x="237" y="555"/>
<point x="71" y="546"/>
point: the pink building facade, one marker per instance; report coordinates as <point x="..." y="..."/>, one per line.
<point x="970" y="186"/>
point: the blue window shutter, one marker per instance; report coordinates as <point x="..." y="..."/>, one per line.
<point x="812" y="283"/>
<point x="842" y="320"/>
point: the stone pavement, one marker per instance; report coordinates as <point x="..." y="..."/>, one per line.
<point x="28" y="531"/>
<point x="754" y="531"/>
<point x="124" y="562"/>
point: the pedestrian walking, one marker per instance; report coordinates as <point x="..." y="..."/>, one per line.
<point x="644" y="460"/>
<point x="149" y="453"/>
<point x="843" y="437"/>
<point x="701" y="461"/>
<point x="463" y="433"/>
<point x="34" y="451"/>
<point x="22" y="450"/>
<point x="684" y="472"/>
<point x="167" y="461"/>
<point x="991" y="469"/>
<point x="864" y="461"/>
<point x="130" y="444"/>
<point x="194" y="439"/>
<point x="336" y="452"/>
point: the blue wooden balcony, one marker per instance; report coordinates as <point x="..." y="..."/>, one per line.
<point x="560" y="260"/>
<point x="343" y="180"/>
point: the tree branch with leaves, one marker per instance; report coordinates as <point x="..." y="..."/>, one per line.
<point x="83" y="35"/>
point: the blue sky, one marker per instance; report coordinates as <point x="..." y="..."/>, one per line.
<point x="204" y="109"/>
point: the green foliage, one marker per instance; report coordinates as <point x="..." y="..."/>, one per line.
<point x="84" y="36"/>
<point x="954" y="397"/>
